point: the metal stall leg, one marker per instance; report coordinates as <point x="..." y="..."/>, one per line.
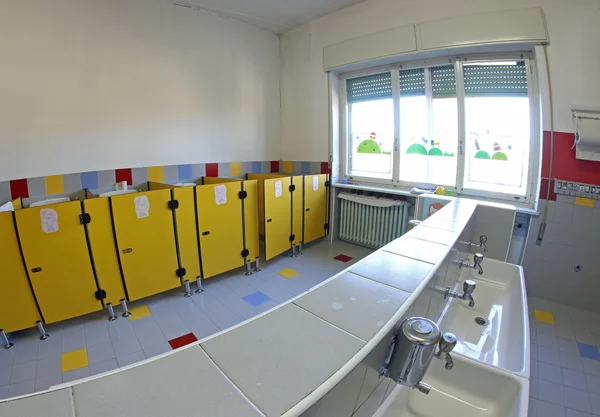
<point x="199" y="289"/>
<point x="257" y="265"/>
<point x="293" y="254"/>
<point x="300" y="248"/>
<point x="111" y="312"/>
<point x="126" y="312"/>
<point x="43" y="334"/>
<point x="5" y="341"/>
<point x="248" y="267"/>
<point x="188" y="290"/>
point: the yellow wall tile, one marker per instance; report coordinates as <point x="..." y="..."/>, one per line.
<point x="544" y="316"/>
<point x="55" y="185"/>
<point x="235" y="169"/>
<point x="582" y="201"/>
<point x="287" y="167"/>
<point x="156" y="174"/>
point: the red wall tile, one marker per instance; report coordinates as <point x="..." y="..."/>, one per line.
<point x="566" y="166"/>
<point x="325" y="168"/>
<point x="544" y="190"/>
<point x="124" y="175"/>
<point x="212" y="170"/>
<point x="275" y="166"/>
<point x="19" y="188"/>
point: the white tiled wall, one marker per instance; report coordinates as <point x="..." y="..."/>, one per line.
<point x="572" y="238"/>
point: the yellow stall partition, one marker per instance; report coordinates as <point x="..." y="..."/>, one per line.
<point x="187" y="231"/>
<point x="143" y="227"/>
<point x="18" y="309"/>
<point x="298" y="209"/>
<point x="277" y="216"/>
<point x="261" y="204"/>
<point x="315" y="206"/>
<point x="57" y="258"/>
<point x="103" y="249"/>
<point x="251" y="231"/>
<point x="220" y="227"/>
<point x="218" y="180"/>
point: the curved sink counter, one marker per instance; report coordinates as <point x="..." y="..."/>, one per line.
<point x="285" y="360"/>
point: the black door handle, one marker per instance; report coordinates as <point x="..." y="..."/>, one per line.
<point x="205" y="233"/>
<point x="127" y="250"/>
<point x="37" y="269"/>
<point x="308" y="209"/>
<point x="269" y="220"/>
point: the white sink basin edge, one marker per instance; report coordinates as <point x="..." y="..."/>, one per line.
<point x="470" y="389"/>
<point x="501" y="300"/>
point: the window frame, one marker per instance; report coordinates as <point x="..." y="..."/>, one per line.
<point x="532" y="181"/>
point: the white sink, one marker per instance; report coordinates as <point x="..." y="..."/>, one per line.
<point x="50" y="201"/>
<point x="470" y="389"/>
<point x="117" y="192"/>
<point x="500" y="299"/>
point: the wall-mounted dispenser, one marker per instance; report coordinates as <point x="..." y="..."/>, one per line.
<point x="417" y="343"/>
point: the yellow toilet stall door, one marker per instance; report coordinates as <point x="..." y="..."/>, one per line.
<point x="57" y="258"/>
<point x="315" y="207"/>
<point x="278" y="216"/>
<point x="17" y="309"/>
<point x="220" y="227"/>
<point x="145" y="236"/>
<point x="298" y="209"/>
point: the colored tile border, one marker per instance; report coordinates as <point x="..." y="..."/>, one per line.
<point x="343" y="258"/>
<point x="212" y="170"/>
<point x="54" y="185"/>
<point x="588" y="351"/>
<point x="181" y="341"/>
<point x="582" y="201"/>
<point x="256" y="298"/>
<point x="235" y="169"/>
<point x="19" y="188"/>
<point x="156" y="174"/>
<point x="544" y="316"/>
<point x="124" y="175"/>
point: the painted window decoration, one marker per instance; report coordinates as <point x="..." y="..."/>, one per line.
<point x="371" y="125"/>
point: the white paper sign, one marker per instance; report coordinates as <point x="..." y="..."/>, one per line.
<point x="49" y="220"/>
<point x="315" y="183"/>
<point x="278" y="191"/>
<point x="142" y="206"/>
<point x="220" y="194"/>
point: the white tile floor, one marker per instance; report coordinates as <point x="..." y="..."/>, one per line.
<point x="565" y="362"/>
<point x="35" y="365"/>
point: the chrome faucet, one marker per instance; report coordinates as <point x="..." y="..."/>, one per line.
<point x="482" y="243"/>
<point x="468" y="288"/>
<point x="413" y="349"/>
<point x="477" y="260"/>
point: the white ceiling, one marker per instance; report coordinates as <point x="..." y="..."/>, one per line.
<point x="277" y="16"/>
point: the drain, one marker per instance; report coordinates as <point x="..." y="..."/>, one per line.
<point x="481" y="321"/>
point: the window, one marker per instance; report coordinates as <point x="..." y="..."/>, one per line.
<point x="465" y="124"/>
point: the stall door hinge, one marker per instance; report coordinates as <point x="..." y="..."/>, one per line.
<point x="173" y="204"/>
<point x="85" y="218"/>
<point x="292" y="237"/>
<point x="100" y="295"/>
<point x="180" y="272"/>
<point x="245" y="253"/>
<point x="243" y="194"/>
<point x="292" y="187"/>
<point x="326" y="226"/>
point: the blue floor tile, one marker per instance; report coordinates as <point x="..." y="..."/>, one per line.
<point x="588" y="351"/>
<point x="256" y="298"/>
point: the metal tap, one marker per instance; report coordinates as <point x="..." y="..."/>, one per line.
<point x="445" y="346"/>
<point x="482" y="243"/>
<point x="468" y="288"/>
<point x="477" y="260"/>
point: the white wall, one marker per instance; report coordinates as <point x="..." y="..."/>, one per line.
<point x="101" y="84"/>
<point x="573" y="26"/>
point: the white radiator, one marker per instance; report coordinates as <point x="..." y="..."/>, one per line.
<point x="371" y="221"/>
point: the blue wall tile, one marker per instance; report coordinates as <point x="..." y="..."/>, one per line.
<point x="305" y="168"/>
<point x="89" y="180"/>
<point x="185" y="172"/>
<point x="257" y="167"/>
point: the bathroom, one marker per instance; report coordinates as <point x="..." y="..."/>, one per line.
<point x="176" y="174"/>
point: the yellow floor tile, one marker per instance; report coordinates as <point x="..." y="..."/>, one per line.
<point x="74" y="360"/>
<point x="544" y="316"/>
<point x="288" y="273"/>
<point x="139" y="312"/>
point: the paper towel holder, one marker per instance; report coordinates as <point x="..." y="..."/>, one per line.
<point x="586" y="110"/>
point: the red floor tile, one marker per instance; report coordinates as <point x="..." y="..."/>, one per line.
<point x="186" y="339"/>
<point x="343" y="258"/>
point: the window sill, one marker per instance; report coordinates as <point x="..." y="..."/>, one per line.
<point x="406" y="192"/>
